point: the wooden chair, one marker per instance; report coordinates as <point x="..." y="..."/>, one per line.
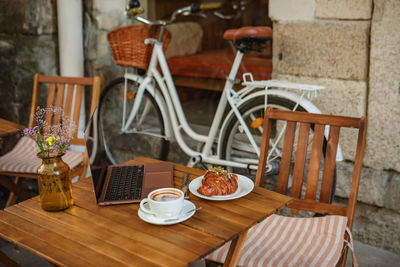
<point x="22" y="161"/>
<point x="281" y="239"/>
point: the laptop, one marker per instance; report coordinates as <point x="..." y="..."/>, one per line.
<point x="128" y="183"/>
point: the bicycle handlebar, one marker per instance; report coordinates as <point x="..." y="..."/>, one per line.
<point x="209" y="6"/>
<point x="188" y="10"/>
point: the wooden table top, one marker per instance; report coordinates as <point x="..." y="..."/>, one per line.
<point x="8" y="127"/>
<point x="88" y="234"/>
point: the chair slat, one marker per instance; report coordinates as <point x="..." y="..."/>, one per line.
<point x="51" y="95"/>
<point x="301" y="152"/>
<point x="77" y="107"/>
<point x="68" y="101"/>
<point x="329" y="164"/>
<point x="35" y="100"/>
<point x="64" y="80"/>
<point x="59" y="102"/>
<point x="315" y="162"/>
<point x="263" y="149"/>
<point x="286" y="157"/>
<point x="340" y="121"/>
<point x="95" y="95"/>
<point x="318" y="207"/>
<point x="50" y="101"/>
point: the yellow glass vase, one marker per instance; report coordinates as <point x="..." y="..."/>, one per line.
<point x="55" y="184"/>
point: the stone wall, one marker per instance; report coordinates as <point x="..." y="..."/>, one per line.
<point x="101" y="16"/>
<point x="351" y="48"/>
<point x="28" y="44"/>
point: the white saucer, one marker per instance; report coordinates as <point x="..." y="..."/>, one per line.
<point x="187" y="205"/>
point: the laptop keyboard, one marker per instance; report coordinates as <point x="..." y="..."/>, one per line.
<point x="125" y="183"/>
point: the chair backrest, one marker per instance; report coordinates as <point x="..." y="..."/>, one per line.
<point x="308" y="200"/>
<point x="61" y="92"/>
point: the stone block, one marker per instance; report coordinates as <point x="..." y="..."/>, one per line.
<point x="186" y="39"/>
<point x="343" y="9"/>
<point x="22" y="57"/>
<point x="5" y="47"/>
<point x="345" y="98"/>
<point x="281" y="10"/>
<point x="103" y="62"/>
<point x="41" y="17"/>
<point x="109" y="20"/>
<point x="383" y="143"/>
<point x="105" y="6"/>
<point x="12" y="16"/>
<point x="373" y="184"/>
<point x="102" y="45"/>
<point x="32" y="17"/>
<point x="45" y="53"/>
<point x="377" y="227"/>
<point x="336" y="50"/>
<point x="392" y="196"/>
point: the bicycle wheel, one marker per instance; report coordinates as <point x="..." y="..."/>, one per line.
<point x="146" y="134"/>
<point x="236" y="146"/>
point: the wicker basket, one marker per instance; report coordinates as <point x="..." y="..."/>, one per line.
<point x="128" y="48"/>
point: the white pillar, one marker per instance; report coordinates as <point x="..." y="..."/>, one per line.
<point x="70" y="42"/>
<point x="70" y="37"/>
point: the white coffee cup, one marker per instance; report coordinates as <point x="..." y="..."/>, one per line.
<point x="163" y="203"/>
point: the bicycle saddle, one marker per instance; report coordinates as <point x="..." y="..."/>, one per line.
<point x="249" y="38"/>
<point x="260" y="32"/>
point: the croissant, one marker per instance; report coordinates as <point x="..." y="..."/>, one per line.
<point x="218" y="182"/>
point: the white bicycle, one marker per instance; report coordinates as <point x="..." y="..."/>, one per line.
<point x="140" y="115"/>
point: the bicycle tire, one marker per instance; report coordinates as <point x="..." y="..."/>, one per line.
<point x="256" y="107"/>
<point x="121" y="147"/>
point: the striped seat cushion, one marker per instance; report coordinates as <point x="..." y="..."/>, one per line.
<point x="22" y="158"/>
<point x="286" y="241"/>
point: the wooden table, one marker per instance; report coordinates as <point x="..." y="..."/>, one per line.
<point x="7" y="128"/>
<point x="88" y="234"/>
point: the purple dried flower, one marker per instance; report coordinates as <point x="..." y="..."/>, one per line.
<point x="59" y="134"/>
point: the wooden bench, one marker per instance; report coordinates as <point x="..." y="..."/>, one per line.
<point x="209" y="69"/>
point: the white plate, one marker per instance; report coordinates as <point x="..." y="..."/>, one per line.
<point x="245" y="186"/>
<point x="187" y="205"/>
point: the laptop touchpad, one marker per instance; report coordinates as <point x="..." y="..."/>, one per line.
<point x="156" y="180"/>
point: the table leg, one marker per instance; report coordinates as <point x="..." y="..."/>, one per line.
<point x="7" y="261"/>
<point x="234" y="250"/>
<point x="12" y="198"/>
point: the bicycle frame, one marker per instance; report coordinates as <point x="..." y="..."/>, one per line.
<point x="170" y="104"/>
<point x="175" y="110"/>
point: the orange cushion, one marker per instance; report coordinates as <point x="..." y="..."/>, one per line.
<point x="218" y="63"/>
<point x="286" y="241"/>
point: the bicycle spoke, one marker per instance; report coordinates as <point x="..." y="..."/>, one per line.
<point x="146" y="133"/>
<point x="146" y="110"/>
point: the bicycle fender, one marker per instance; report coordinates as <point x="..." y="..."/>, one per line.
<point x="145" y="82"/>
<point x="304" y="102"/>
